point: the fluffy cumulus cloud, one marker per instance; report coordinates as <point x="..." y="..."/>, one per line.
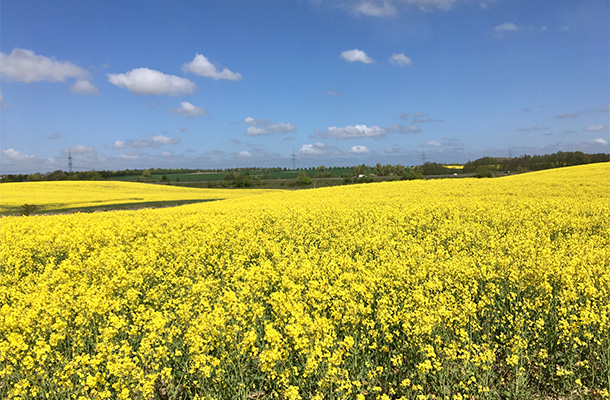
<point x="594" y="128"/>
<point x="149" y="81"/>
<point x="432" y="143"/>
<point x="356" y="55"/>
<point x="262" y="126"/>
<point x="316" y="149"/>
<point x="162" y="139"/>
<point x="354" y="131"/>
<point x="375" y="8"/>
<point x="400" y="60"/>
<point x="82" y="86"/>
<point x="26" y="66"/>
<point x="119" y="144"/>
<point x="17" y="156"/>
<point x="601" y="141"/>
<point x="188" y="110"/>
<point x="244" y="154"/>
<point x="203" y="67"/>
<point x="358" y="150"/>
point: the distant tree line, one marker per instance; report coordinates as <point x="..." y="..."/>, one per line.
<point x="533" y="163"/>
<point x="482" y="167"/>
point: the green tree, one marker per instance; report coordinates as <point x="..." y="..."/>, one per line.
<point x="362" y="170"/>
<point x="242" y="179"/>
<point x="303" y="179"/>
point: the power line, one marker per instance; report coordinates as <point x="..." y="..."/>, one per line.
<point x="294" y="160"/>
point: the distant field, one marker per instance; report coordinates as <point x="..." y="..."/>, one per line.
<point x="219" y="176"/>
<point x="49" y="197"/>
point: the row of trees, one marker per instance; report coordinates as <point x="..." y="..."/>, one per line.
<point x="526" y="163"/>
<point x="485" y="166"/>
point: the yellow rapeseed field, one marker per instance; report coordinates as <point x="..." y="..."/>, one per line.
<point x="65" y="195"/>
<point x="445" y="289"/>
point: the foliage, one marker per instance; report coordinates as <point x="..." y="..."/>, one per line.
<point x="242" y="179"/>
<point x="411" y="174"/>
<point x="478" y="289"/>
<point x="483" y="171"/>
<point x="535" y="163"/>
<point x="303" y="179"/>
<point x="430" y="168"/>
<point x="27" y="209"/>
<point x="362" y="169"/>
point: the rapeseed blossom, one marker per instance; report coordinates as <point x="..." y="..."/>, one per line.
<point x="447" y="289"/>
<point x="66" y="195"/>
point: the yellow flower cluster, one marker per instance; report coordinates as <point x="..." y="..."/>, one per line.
<point x="446" y="289"/>
<point x="64" y="195"/>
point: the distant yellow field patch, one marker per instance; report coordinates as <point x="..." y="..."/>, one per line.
<point x="454" y="166"/>
<point x="51" y="196"/>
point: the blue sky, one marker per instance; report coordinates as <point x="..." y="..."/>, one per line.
<point x="217" y="84"/>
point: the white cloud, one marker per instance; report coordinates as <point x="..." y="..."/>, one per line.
<point x="81" y="150"/>
<point x="432" y="143"/>
<point x="399" y="59"/>
<point x="601" y="141"/>
<point x="244" y="153"/>
<point x="150" y="141"/>
<point x="405" y="129"/>
<point x="356" y="55"/>
<point x="594" y="128"/>
<point x="358" y="150"/>
<point x="534" y="128"/>
<point x="354" y="131"/>
<point x="375" y="8"/>
<point x="83" y="86"/>
<point x="25" y="66"/>
<point x="149" y="81"/>
<point x="16" y="155"/>
<point x="203" y="67"/>
<point x="188" y="110"/>
<point x="430" y="5"/>
<point x="166" y="154"/>
<point x="162" y="139"/>
<point x="262" y="126"/>
<point x="316" y="149"/>
<point x="130" y="156"/>
<point x="568" y="116"/>
<point x="506" y="27"/>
